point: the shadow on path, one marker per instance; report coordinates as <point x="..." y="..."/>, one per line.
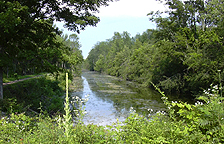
<point x="12" y="82"/>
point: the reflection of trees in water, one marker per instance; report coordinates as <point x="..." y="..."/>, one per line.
<point x="123" y="95"/>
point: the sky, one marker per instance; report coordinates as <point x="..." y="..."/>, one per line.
<point x="120" y="16"/>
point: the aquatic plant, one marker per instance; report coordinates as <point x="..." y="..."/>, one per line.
<point x="202" y="122"/>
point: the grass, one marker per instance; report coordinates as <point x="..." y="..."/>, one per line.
<point x="202" y="122"/>
<point x="17" y="77"/>
<point x="31" y="94"/>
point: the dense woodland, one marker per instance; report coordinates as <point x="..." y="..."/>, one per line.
<point x="29" y="43"/>
<point x="183" y="55"/>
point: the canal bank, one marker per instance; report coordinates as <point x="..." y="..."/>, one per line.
<point x="110" y="99"/>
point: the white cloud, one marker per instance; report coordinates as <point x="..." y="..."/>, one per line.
<point x="130" y="8"/>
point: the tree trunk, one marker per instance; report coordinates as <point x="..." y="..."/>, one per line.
<point x="1" y="82"/>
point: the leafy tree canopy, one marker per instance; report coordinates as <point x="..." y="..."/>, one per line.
<point x="26" y="28"/>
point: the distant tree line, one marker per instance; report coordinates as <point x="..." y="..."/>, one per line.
<point x="184" y="54"/>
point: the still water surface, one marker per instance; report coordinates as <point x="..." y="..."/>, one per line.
<point x="111" y="98"/>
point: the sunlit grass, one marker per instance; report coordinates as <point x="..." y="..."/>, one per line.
<point x="13" y="78"/>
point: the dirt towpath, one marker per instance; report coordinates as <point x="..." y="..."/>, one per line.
<point x="12" y="82"/>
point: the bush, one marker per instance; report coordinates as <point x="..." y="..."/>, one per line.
<point x="202" y="122"/>
<point x="30" y="93"/>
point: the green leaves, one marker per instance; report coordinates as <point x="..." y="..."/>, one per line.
<point x="28" y="38"/>
<point x="100" y="64"/>
<point x="199" y="123"/>
<point x="10" y="15"/>
<point x="181" y="56"/>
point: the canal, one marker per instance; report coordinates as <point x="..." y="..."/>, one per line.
<point x="110" y="98"/>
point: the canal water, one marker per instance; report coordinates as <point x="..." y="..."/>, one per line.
<point x="110" y="99"/>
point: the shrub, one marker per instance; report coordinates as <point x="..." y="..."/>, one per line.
<point x="30" y="93"/>
<point x="202" y="122"/>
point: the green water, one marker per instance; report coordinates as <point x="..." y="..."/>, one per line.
<point x="110" y="98"/>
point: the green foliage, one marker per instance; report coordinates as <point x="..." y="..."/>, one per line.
<point x="181" y="56"/>
<point x="13" y="78"/>
<point x="100" y="64"/>
<point x="28" y="39"/>
<point x="202" y="122"/>
<point x="30" y="93"/>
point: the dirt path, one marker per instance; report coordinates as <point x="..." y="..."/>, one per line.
<point x="12" y="82"/>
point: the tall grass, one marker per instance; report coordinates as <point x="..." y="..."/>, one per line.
<point x="27" y="96"/>
<point x="202" y="122"/>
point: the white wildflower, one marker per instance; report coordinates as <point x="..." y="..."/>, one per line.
<point x="22" y="129"/>
<point x="198" y="103"/>
<point x="215" y="87"/>
<point x="151" y="110"/>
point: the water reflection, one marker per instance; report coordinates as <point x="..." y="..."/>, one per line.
<point x="110" y="99"/>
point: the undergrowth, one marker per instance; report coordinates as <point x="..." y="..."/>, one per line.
<point x="202" y="122"/>
<point x="31" y="94"/>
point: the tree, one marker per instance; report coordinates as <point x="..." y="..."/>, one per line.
<point x="100" y="64"/>
<point x="183" y="55"/>
<point x="72" y="56"/>
<point x="22" y="23"/>
<point x="190" y="45"/>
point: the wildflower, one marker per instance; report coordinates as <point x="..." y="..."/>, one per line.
<point x="22" y="129"/>
<point x="151" y="110"/>
<point x="174" y="101"/>
<point x="198" y="103"/>
<point x="215" y="87"/>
